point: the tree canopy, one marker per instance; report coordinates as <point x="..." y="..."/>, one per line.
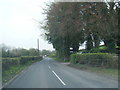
<point x="70" y="24"/>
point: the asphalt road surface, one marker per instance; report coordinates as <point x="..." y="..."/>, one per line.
<point x="49" y="73"/>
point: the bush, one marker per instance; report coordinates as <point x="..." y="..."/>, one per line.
<point x="95" y="50"/>
<point x="73" y="58"/>
<point x="95" y="59"/>
<point x="101" y="49"/>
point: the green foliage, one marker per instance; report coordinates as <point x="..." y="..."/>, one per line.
<point x="17" y="52"/>
<point x="99" y="50"/>
<point x="52" y="55"/>
<point x="45" y="52"/>
<point x="102" y="47"/>
<point x="94" y="50"/>
<point x="8" y="62"/>
<point x="73" y="58"/>
<point x="25" y="59"/>
<point x="13" y="70"/>
<point x="69" y="25"/>
<point x="95" y="59"/>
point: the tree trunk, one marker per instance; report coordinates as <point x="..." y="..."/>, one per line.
<point x="110" y="44"/>
<point x="75" y="48"/>
<point x="89" y="43"/>
<point x="96" y="41"/>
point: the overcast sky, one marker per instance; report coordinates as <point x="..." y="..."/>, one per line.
<point x="17" y="27"/>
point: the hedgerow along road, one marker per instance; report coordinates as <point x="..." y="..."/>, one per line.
<point x="49" y="73"/>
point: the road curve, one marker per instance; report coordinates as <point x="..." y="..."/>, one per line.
<point x="49" y="73"/>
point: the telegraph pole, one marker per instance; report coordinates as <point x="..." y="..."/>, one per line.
<point x="38" y="46"/>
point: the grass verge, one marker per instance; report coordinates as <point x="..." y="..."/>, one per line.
<point x="99" y="70"/>
<point x="14" y="70"/>
<point x="109" y="72"/>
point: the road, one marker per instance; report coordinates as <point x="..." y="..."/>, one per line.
<point x="49" y="73"/>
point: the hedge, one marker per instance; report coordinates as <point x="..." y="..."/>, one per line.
<point x="95" y="59"/>
<point x="25" y="59"/>
<point x="8" y="62"/>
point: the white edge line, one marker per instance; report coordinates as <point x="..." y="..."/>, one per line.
<point x="59" y="78"/>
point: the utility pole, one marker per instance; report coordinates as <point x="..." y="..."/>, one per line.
<point x="38" y="46"/>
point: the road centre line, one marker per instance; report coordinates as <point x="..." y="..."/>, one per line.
<point x="58" y="78"/>
<point x="49" y="67"/>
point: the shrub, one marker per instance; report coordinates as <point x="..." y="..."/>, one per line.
<point x="74" y="58"/>
<point x="95" y="50"/>
<point x="94" y="59"/>
<point x="101" y="49"/>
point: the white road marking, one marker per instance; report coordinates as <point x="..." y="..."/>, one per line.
<point x="59" y="78"/>
<point x="49" y="67"/>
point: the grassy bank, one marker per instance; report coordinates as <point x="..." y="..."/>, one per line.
<point x="99" y="70"/>
<point x="14" y="70"/>
<point x="101" y="63"/>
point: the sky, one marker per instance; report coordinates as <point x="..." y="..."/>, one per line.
<point x="18" y="23"/>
